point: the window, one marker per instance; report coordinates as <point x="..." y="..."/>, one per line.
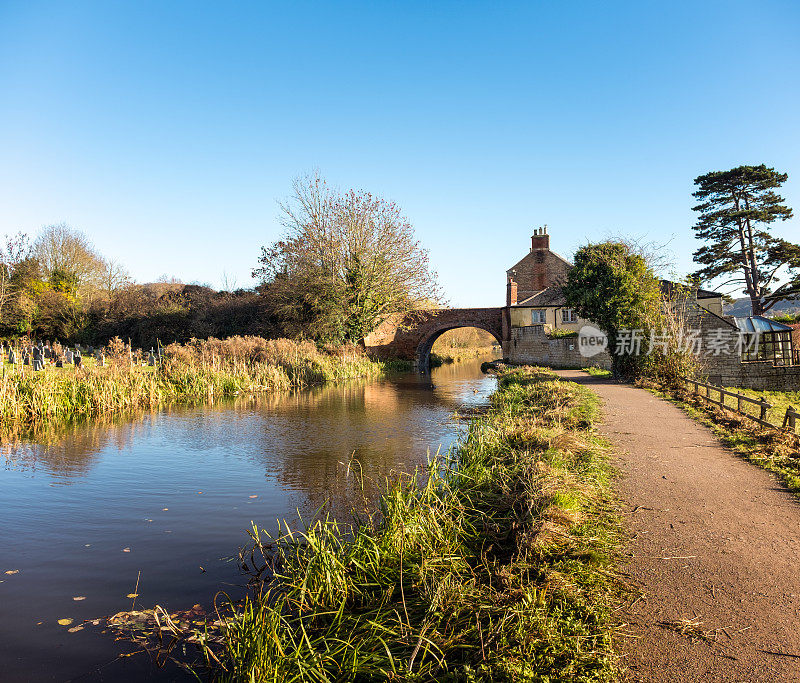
<point x="772" y="346"/>
<point x="538" y="316"/>
<point x="568" y="316"/>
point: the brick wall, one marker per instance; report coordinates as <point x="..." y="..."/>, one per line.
<point x="538" y="270"/>
<point x="412" y="335"/>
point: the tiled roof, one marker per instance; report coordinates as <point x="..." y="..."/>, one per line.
<point x="667" y="288"/>
<point x="552" y="296"/>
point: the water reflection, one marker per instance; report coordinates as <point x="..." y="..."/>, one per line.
<point x="177" y="488"/>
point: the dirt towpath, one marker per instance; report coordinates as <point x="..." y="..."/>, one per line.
<point x="714" y="540"/>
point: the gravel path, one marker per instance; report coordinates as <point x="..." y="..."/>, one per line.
<point x="715" y="540"/>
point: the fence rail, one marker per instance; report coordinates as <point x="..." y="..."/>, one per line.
<point x="789" y="419"/>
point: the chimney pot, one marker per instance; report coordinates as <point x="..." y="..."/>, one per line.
<point x="540" y="240"/>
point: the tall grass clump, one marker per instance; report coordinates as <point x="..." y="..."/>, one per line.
<point x="494" y="565"/>
<point x="199" y="370"/>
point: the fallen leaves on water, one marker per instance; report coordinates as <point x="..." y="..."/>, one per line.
<point x="164" y="509"/>
<point x="75" y="629"/>
<point x="169" y="634"/>
<point x="191" y="626"/>
<point x="12" y="571"/>
<point x="66" y="621"/>
<point x="126" y="550"/>
<point x="254" y="496"/>
<point x="79" y="597"/>
<point x="132" y="595"/>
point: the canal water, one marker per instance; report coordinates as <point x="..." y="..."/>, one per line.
<point x="166" y="498"/>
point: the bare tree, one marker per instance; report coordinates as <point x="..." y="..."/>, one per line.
<point x="347" y="262"/>
<point x="63" y="252"/>
<point x="115" y="277"/>
<point x="229" y="282"/>
<point x="13" y="251"/>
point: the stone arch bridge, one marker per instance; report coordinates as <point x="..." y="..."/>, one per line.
<point x="412" y="336"/>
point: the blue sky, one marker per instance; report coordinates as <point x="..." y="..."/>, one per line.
<point x="168" y="131"/>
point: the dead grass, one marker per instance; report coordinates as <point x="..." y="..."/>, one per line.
<point x="199" y="370"/>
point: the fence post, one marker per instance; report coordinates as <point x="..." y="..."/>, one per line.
<point x="739" y="402"/>
<point x="763" y="405"/>
<point x="789" y="419"/>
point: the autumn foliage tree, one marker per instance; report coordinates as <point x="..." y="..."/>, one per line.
<point x="347" y="261"/>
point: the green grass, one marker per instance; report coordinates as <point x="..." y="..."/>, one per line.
<point x="560" y="333"/>
<point x="397" y="365"/>
<point x="495" y="565"/>
<point x="780" y="400"/>
<point x="594" y="371"/>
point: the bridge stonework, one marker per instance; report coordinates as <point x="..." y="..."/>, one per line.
<point x="410" y="337"/>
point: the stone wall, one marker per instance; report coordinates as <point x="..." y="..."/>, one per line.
<point x="726" y="369"/>
<point x="532" y="346"/>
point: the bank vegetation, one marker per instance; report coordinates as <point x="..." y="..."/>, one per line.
<point x="201" y="370"/>
<point x="497" y="564"/>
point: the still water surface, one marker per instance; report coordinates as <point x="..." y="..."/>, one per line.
<point x="170" y="494"/>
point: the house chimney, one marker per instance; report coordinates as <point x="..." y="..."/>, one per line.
<point x="540" y="239"/>
<point x="511" y="292"/>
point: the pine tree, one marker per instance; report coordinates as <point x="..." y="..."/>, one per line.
<point x="736" y="208"/>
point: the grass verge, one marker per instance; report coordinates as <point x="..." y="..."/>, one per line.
<point x="767" y="448"/>
<point x="495" y="565"/>
<point x="594" y="371"/>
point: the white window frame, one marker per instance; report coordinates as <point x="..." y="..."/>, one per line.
<point x="538" y="316"/>
<point x="568" y="315"/>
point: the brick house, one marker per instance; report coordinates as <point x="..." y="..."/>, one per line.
<point x="538" y="312"/>
<point x="535" y="296"/>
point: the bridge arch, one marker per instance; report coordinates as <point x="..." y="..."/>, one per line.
<point x="422" y="357"/>
<point x="411" y="336"/>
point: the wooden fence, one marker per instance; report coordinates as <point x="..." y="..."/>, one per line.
<point x="707" y="393"/>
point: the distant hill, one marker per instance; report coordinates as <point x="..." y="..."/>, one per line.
<point x="741" y="308"/>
